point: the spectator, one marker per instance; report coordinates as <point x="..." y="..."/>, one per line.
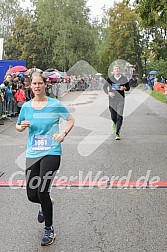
<point x="27" y="89"/>
<point x="1" y="108"/>
<point x="162" y="79"/>
<point x="155" y="79"/>
<point x="48" y="87"/>
<point x="7" y="92"/>
<point x="151" y="82"/>
<point x="144" y="82"/>
<point x="20" y="97"/>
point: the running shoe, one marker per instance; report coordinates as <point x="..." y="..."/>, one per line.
<point x="114" y="126"/>
<point x="117" y="137"/>
<point x="49" y="236"/>
<point x="41" y="218"/>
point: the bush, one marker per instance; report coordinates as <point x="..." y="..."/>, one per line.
<point x="160" y="66"/>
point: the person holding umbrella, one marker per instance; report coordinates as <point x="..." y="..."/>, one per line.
<point x="41" y="116"/>
<point x="152" y="79"/>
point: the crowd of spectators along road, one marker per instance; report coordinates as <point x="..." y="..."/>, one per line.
<point x="86" y="81"/>
<point x="15" y="90"/>
<point x="149" y="81"/>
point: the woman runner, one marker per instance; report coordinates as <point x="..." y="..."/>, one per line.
<point x="41" y="116"/>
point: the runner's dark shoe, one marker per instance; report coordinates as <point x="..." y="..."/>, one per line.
<point x="41" y="218"/>
<point x="117" y="137"/>
<point x="49" y="236"/>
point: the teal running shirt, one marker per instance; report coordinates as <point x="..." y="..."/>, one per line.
<point x="44" y="123"/>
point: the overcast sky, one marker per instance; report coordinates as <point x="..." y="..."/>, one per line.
<point x="96" y="6"/>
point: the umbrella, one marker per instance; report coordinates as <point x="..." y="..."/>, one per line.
<point x="53" y="77"/>
<point x="98" y="74"/>
<point x="47" y="74"/>
<point x="50" y="70"/>
<point x="57" y="74"/>
<point x="153" y="72"/>
<point x="63" y="74"/>
<point x="16" y="69"/>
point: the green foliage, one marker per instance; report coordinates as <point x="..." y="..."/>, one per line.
<point x="9" y="10"/>
<point x="152" y="12"/>
<point x="75" y="35"/>
<point x="153" y="16"/>
<point x="25" y="42"/>
<point x="160" y="66"/>
<point x="58" y="35"/>
<point x="124" y="37"/>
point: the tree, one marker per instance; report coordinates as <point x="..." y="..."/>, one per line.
<point x="152" y="12"/>
<point x="154" y="19"/>
<point x="25" y="42"/>
<point x="125" y="40"/>
<point x="75" y="35"/>
<point x="58" y="34"/>
<point x="9" y="10"/>
<point x="65" y="25"/>
<point x="102" y="50"/>
<point x="159" y="65"/>
<point x="46" y="20"/>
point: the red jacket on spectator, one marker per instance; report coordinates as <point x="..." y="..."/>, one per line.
<point x="20" y="95"/>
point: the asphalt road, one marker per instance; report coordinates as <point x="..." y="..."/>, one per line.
<point x="85" y="219"/>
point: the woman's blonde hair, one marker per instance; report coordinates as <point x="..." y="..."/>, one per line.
<point x="37" y="74"/>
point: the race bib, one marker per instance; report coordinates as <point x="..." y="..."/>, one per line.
<point x="42" y="142"/>
<point x="116" y="86"/>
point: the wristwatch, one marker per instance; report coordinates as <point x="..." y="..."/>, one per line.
<point x="65" y="132"/>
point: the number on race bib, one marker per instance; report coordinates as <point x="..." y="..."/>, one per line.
<point x="41" y="143"/>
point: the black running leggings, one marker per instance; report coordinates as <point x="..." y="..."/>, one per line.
<point x="116" y="109"/>
<point x="40" y="173"/>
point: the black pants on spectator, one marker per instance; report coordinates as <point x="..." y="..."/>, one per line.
<point x="40" y="173"/>
<point x="116" y="108"/>
<point x="19" y="105"/>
